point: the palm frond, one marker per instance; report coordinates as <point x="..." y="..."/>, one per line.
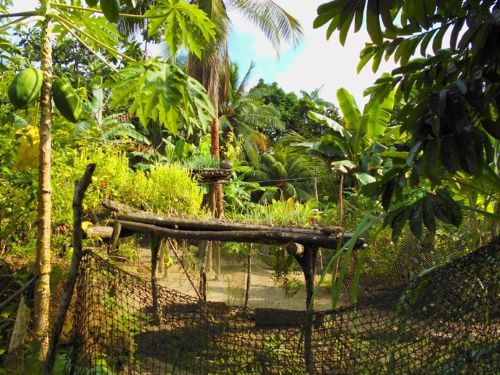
<point x="276" y="23"/>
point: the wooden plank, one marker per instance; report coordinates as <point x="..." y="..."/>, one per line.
<point x="98" y="231"/>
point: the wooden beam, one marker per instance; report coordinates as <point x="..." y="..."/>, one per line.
<point x="255" y="236"/>
<point x="128" y="213"/>
<point x="294" y="248"/>
<point x="98" y="231"/>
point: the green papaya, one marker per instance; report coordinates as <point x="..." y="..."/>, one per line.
<point x="25" y="88"/>
<point x="66" y="100"/>
<point x="111" y="9"/>
<point x="92" y="3"/>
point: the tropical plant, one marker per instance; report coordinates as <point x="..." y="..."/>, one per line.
<point x="242" y="115"/>
<point x="290" y="174"/>
<point x="448" y="101"/>
<point x="295" y="111"/>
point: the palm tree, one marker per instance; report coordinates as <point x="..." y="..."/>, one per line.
<point x="212" y="70"/>
<point x="242" y="114"/>
<point x="292" y="174"/>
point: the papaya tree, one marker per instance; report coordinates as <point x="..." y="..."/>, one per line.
<point x="93" y="27"/>
<point x="448" y="102"/>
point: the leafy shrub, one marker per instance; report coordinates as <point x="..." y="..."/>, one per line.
<point x="166" y="189"/>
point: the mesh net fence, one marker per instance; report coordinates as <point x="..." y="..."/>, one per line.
<point x="445" y="321"/>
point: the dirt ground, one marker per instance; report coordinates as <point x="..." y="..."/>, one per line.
<point x="229" y="285"/>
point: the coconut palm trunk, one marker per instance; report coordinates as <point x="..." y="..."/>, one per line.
<point x="211" y="72"/>
<point x="43" y="268"/>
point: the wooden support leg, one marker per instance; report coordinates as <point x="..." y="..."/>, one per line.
<point x="249" y="274"/>
<point x="115" y="237"/>
<point x="161" y="270"/>
<point x="216" y="250"/>
<point x="307" y="260"/>
<point x="155" y="248"/>
<point x="203" y="271"/>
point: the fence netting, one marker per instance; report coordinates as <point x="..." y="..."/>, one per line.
<point x="445" y="321"/>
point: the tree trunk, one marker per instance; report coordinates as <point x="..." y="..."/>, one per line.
<point x="217" y="199"/>
<point x="42" y="286"/>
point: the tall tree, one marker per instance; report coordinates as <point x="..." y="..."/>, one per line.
<point x="295" y="110"/>
<point x="212" y="69"/>
<point x="42" y="286"/>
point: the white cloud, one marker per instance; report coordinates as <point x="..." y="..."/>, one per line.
<point x="319" y="63"/>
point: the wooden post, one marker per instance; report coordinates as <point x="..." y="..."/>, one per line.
<point x="212" y="198"/>
<point x="210" y="256"/>
<point x="249" y="275"/>
<point x="115" y="237"/>
<point x="307" y="261"/>
<point x="203" y="271"/>
<point x="218" y="246"/>
<point x="78" y="195"/>
<point x="155" y="247"/>
<point x="160" y="269"/>
<point x="14" y="360"/>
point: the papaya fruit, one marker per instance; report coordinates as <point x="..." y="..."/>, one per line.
<point x="24" y="89"/>
<point x="92" y="3"/>
<point x="66" y="100"/>
<point x="111" y="9"/>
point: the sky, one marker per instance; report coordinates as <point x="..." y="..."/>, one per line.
<point x="314" y="63"/>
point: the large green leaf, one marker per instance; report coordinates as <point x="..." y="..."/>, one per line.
<point x="157" y="91"/>
<point x="183" y="24"/>
<point x="378" y="114"/>
<point x="349" y="109"/>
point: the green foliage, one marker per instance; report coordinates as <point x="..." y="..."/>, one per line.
<point x="163" y="93"/>
<point x="295" y="110"/>
<point x="17" y="187"/>
<point x="287" y="212"/>
<point x="183" y="24"/>
<point x="446" y="100"/>
<point x="289" y="173"/>
<point x="244" y="119"/>
<point x="166" y="189"/>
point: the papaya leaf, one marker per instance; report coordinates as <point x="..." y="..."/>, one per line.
<point x="183" y="24"/>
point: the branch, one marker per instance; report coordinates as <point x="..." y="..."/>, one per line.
<point x="80" y="188"/>
<point x="19" y="20"/>
<point x="20" y="14"/>
<point x="16" y="294"/>
<point x="256" y="236"/>
<point x="63" y="24"/>
<point x="103" y="45"/>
